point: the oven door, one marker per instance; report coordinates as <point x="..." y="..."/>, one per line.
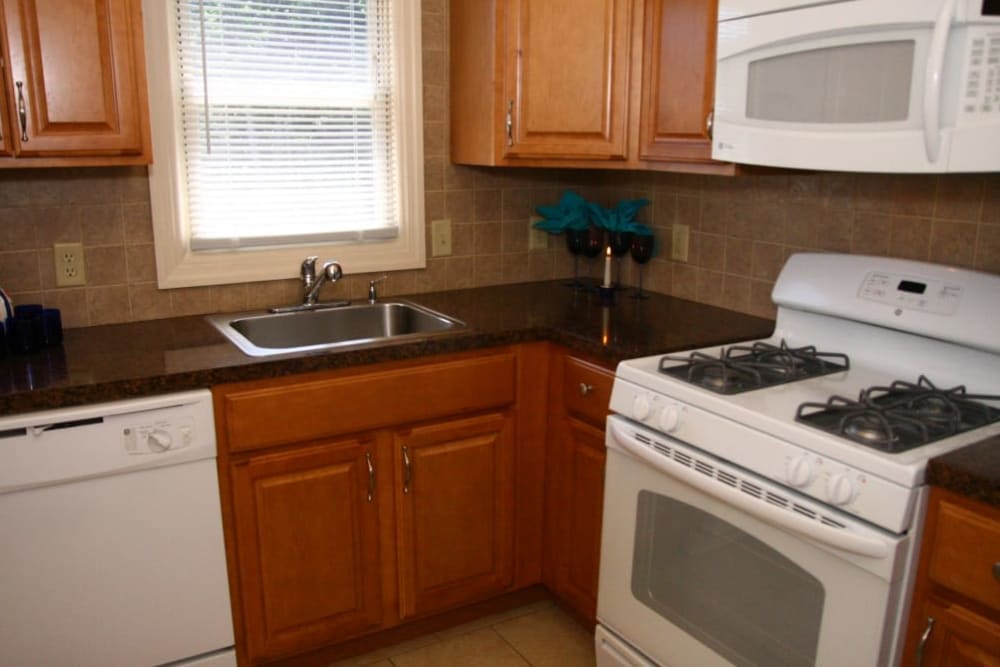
<point x="704" y="563"/>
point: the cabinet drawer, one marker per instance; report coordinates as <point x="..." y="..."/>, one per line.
<point x="306" y="410"/>
<point x="587" y="390"/>
<point x="966" y="548"/>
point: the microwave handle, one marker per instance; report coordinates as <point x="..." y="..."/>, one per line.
<point x="834" y="537"/>
<point x="932" y="80"/>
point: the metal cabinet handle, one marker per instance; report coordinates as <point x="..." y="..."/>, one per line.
<point x="710" y="123"/>
<point x="586" y="388"/>
<point x="510" y="122"/>
<point x="922" y="644"/>
<point x="407" y="470"/>
<point x="22" y="110"/>
<point x="371" y="476"/>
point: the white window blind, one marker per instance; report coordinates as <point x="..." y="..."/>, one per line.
<point x="287" y="116"/>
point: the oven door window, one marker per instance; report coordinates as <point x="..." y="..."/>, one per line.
<point x="729" y="590"/>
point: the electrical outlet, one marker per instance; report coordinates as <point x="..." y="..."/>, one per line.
<point x="70" y="270"/>
<point x="440" y="238"/>
<point x="679" y="243"/>
<point x="538" y="239"/>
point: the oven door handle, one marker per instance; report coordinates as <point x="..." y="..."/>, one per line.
<point x="784" y="519"/>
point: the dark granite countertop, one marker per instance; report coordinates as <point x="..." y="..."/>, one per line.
<point x="973" y="471"/>
<point x="127" y="360"/>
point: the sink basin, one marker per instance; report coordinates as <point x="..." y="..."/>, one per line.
<point x="263" y="333"/>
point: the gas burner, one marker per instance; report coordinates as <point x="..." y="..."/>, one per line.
<point x="743" y="368"/>
<point x="901" y="416"/>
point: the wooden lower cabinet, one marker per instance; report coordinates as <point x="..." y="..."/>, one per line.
<point x="333" y="535"/>
<point x="307" y="533"/>
<point x="579" y="394"/>
<point x="955" y="616"/>
<point x="455" y="500"/>
<point x="579" y="552"/>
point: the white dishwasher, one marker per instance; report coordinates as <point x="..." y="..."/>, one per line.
<point x="112" y="536"/>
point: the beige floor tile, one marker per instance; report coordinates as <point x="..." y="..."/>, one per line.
<point x="381" y="656"/>
<point x="490" y="621"/>
<point x="482" y="648"/>
<point x="549" y="638"/>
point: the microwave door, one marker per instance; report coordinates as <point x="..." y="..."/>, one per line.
<point x="836" y="86"/>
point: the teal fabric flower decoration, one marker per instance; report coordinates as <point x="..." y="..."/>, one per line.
<point x="570" y="213"/>
<point x="621" y="218"/>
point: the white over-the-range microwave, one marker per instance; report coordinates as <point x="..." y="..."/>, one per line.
<point x="859" y="85"/>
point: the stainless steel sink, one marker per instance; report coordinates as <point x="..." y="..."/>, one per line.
<point x="263" y="333"/>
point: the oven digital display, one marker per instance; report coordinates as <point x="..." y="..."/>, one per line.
<point x="991" y="7"/>
<point x="912" y="287"/>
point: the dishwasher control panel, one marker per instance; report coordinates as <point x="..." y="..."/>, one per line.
<point x="158" y="436"/>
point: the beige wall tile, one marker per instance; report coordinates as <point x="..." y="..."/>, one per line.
<point x="910" y="238"/>
<point x="108" y="305"/>
<point x="101" y="224"/>
<point x="953" y="243"/>
<point x="19" y="271"/>
<point x="105" y="265"/>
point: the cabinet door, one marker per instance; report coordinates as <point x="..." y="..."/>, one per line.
<point x="678" y="79"/>
<point x="76" y="76"/>
<point x="454" y="520"/>
<point x="567" y="78"/>
<point x="307" y="546"/>
<point x="958" y="637"/>
<point x="579" y="541"/>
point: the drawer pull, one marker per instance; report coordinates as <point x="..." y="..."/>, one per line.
<point x="586" y="388"/>
<point x="924" y="638"/>
<point x="996" y="570"/>
<point x="371" y="476"/>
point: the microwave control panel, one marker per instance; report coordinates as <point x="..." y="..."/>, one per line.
<point x="981" y="96"/>
<point x="929" y="296"/>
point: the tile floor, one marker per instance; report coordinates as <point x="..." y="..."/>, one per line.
<point x="538" y="635"/>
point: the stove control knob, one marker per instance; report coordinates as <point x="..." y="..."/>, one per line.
<point x="840" y="489"/>
<point x="159" y="440"/>
<point x="669" y="418"/>
<point x="640" y="407"/>
<point x="800" y="472"/>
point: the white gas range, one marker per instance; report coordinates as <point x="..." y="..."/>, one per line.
<point x="796" y="505"/>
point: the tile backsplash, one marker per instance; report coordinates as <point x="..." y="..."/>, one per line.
<point x="742" y="228"/>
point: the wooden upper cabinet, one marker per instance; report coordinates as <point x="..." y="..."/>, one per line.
<point x="76" y="79"/>
<point x="610" y="84"/>
<point x="455" y="500"/>
<point x="678" y="80"/>
<point x="567" y="78"/>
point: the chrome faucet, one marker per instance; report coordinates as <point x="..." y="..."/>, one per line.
<point x="311" y="282"/>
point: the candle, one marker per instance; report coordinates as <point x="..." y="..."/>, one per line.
<point x="607" y="267"/>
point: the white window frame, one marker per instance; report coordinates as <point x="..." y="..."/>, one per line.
<point x="178" y="266"/>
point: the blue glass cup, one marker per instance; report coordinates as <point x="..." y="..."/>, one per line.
<point x="52" y="331"/>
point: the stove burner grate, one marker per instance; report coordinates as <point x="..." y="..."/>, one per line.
<point x="901" y="416"/>
<point x="742" y="368"/>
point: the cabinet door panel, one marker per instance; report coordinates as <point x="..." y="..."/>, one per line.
<point x="308" y="548"/>
<point x="583" y="502"/>
<point x="567" y="78"/>
<point x="959" y="637"/>
<point x="678" y="78"/>
<point x="455" y="520"/>
<point x="79" y="64"/>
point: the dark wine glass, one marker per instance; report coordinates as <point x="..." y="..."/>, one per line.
<point x="641" y="249"/>
<point x="594" y="245"/>
<point x="576" y="239"/>
<point x="620" y="243"/>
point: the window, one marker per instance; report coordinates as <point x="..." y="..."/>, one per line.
<point x="284" y="128"/>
